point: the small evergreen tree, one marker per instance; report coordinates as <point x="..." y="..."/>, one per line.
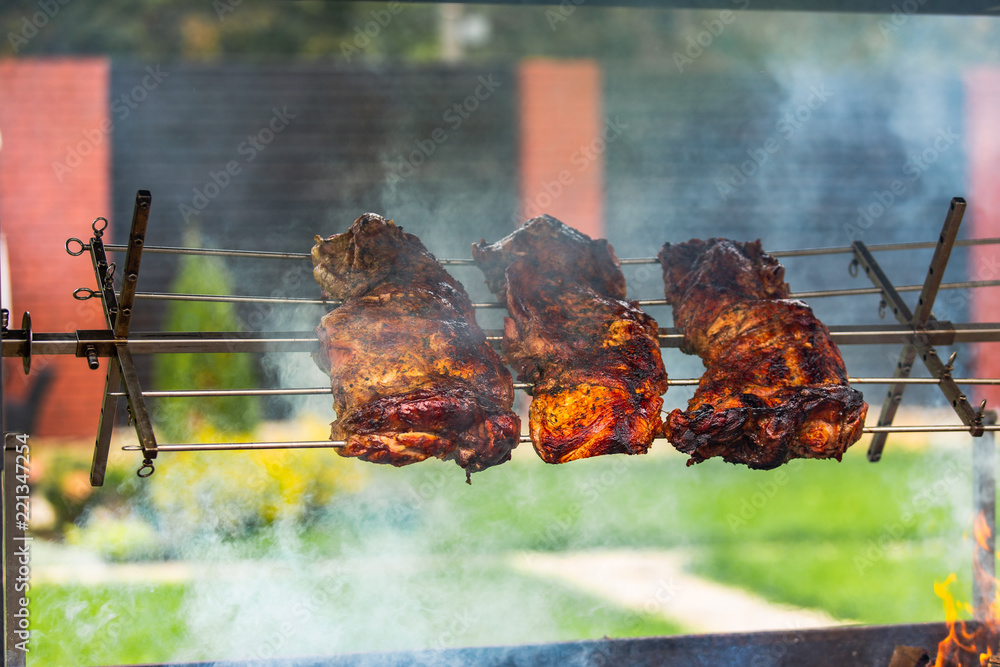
<point x="219" y="418"/>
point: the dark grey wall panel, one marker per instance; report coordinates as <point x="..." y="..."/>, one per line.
<point x="309" y="148"/>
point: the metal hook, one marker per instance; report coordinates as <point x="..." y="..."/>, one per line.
<point x="99" y="231"/>
<point x="109" y="278"/>
<point x="83" y="246"/>
<point x="881" y="309"/>
<point x="86" y="292"/>
<point x="853" y="267"/>
<point x="146" y="463"/>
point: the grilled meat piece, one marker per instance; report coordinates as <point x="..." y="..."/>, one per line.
<point x="775" y="387"/>
<point x="411" y="371"/>
<point x="593" y="357"/>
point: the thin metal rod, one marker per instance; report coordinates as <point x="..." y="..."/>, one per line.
<point x="856" y="291"/>
<point x="201" y="393"/>
<point x="932" y="381"/>
<point x="164" y="296"/>
<point x="224" y="298"/>
<point x="166" y="250"/>
<point x="949" y="428"/>
<point x="802" y="252"/>
<point x="319" y="391"/>
<point x="46" y="343"/>
<point x="253" y="254"/>
<point x="968" y="284"/>
<point x="237" y="446"/>
<point x="321" y="444"/>
<point x="916" y="245"/>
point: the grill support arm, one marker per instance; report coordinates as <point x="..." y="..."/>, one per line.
<point x="118" y="314"/>
<point x="921" y="322"/>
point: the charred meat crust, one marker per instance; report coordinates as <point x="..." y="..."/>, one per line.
<point x="413" y="376"/>
<point x="775" y="386"/>
<point x="593" y="357"/>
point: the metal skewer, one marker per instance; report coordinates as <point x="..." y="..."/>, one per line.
<point x="100" y="342"/>
<point x="302" y="256"/>
<point x="335" y="444"/>
<point x="856" y="291"/>
<point x="319" y="391"/>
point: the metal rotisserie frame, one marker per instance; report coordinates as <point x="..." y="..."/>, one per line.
<point x="918" y="332"/>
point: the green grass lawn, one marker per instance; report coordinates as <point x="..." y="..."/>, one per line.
<point x="657" y="501"/>
<point x="104" y="625"/>
<point x="418" y="559"/>
<point x="896" y="588"/>
<point x="445" y="604"/>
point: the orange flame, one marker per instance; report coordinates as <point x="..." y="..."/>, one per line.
<point x="965" y="646"/>
<point x="982" y="532"/>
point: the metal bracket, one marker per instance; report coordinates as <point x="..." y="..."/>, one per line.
<point x="121" y="369"/>
<point x="922" y="322"/>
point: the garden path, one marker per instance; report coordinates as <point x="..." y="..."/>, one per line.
<point x="656" y="582"/>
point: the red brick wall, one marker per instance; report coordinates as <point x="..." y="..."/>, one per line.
<point x="48" y="108"/>
<point x="561" y="149"/>
<point x="983" y="144"/>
